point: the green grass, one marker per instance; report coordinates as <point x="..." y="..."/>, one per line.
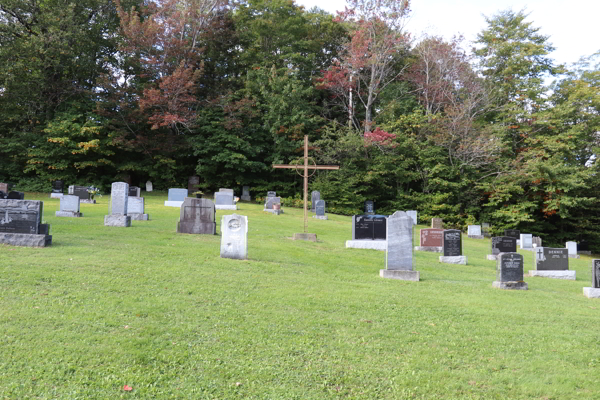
<point x="161" y="312"/>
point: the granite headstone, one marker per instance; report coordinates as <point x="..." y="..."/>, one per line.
<point x="234" y="237"/>
<point x="21" y="223"/>
<point x="246" y="193"/>
<point x="69" y="207"/>
<point x="413" y="214"/>
<point x="509" y="272"/>
<point x="369" y="207"/>
<point x="197" y="216"/>
<point x="320" y="210"/>
<point x="314" y="197"/>
<point x="135" y="208"/>
<point x="118" y="206"/>
<point x="369" y="227"/>
<point x="398" y="255"/>
<point x="437" y="223"/>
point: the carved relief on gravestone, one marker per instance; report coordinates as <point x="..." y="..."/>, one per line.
<point x="21" y="223"/>
<point x="234" y="237"/>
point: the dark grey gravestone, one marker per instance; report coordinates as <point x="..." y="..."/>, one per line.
<point x="452" y="243"/>
<point x="513" y="233"/>
<point x="246" y="193"/>
<point x="21" y="223"/>
<point x="2" y="195"/>
<point x="197" y="216"/>
<point x="503" y="244"/>
<point x="369" y="227"/>
<point x="15" y="196"/>
<point x="509" y="272"/>
<point x="596" y="274"/>
<point x="320" y="210"/>
<point x="551" y="259"/>
<point x="369" y="207"/>
<point x="271" y="201"/>
<point x="193" y="182"/>
<point x="58" y="187"/>
<point x="134" y="191"/>
<point x="399" y="248"/>
<point x="314" y="197"/>
<point x="81" y="191"/>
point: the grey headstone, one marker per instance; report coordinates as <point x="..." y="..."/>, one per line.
<point x="571" y="248"/>
<point x="119" y="194"/>
<point x="452" y="243"/>
<point x="234" y="237"/>
<point x="148" y="186"/>
<point x="246" y="193"/>
<point x="437" y="223"/>
<point x="314" y="197"/>
<point x="320" y="207"/>
<point x="224" y="198"/>
<point x="485" y="229"/>
<point x="474" y="230"/>
<point x="537" y="241"/>
<point x="135" y="205"/>
<point x="512" y="233"/>
<point x="21" y="223"/>
<point x="197" y="216"/>
<point x="369" y="207"/>
<point x="551" y="259"/>
<point x="193" y="182"/>
<point x="413" y="214"/>
<point x="69" y="203"/>
<point x="177" y="194"/>
<point x="503" y="244"/>
<point x="596" y="274"/>
<point x="399" y="242"/>
<point x="81" y="191"/>
<point x="271" y="194"/>
<point x="270" y="201"/>
<point x="526" y="240"/>
<point x="225" y="190"/>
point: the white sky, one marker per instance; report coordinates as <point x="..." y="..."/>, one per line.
<point x="573" y="26"/>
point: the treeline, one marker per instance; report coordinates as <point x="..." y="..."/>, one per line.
<point x="94" y="91"/>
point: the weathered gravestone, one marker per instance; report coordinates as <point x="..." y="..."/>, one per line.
<point x="234" y="237"/>
<point x="21" y="223"/>
<point x="15" y="195"/>
<point x="246" y="193"/>
<point x="552" y="263"/>
<point x="437" y="223"/>
<point x="4" y="187"/>
<point x="512" y="233"/>
<point x="314" y="197"/>
<point x="526" y="241"/>
<point x="572" y="249"/>
<point x="176" y="197"/>
<point x="271" y="205"/>
<point x="69" y="207"/>
<point x="485" y="230"/>
<point x="368" y="232"/>
<point x="536" y="241"/>
<point x="431" y="240"/>
<point x="452" y="248"/>
<point x="502" y="244"/>
<point x="369" y="207"/>
<point x="193" y="183"/>
<point x="509" y="272"/>
<point x="399" y="248"/>
<point x="134" y="191"/>
<point x="224" y="200"/>
<point x="118" y="206"/>
<point x="58" y="188"/>
<point x="320" y="210"/>
<point x="474" y="232"/>
<point x="82" y="192"/>
<point x="135" y="208"/>
<point x="148" y="186"/>
<point x="594" y="291"/>
<point x="197" y="216"/>
<point x="413" y="215"/>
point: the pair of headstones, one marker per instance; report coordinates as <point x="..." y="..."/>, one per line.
<point x="21" y="223"/>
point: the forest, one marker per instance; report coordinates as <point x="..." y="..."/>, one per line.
<point x="97" y="91"/>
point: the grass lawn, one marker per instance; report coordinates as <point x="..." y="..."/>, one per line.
<point x="162" y="313"/>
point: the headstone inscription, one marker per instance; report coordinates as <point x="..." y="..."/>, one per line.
<point x="572" y="249"/>
<point x="148" y="186"/>
<point x="176" y="197"/>
<point x="552" y="263"/>
<point x="368" y="232"/>
<point x="593" y="292"/>
<point x="413" y="214"/>
<point x="431" y="239"/>
<point x="118" y="206"/>
<point x="526" y="241"/>
<point x="314" y="197"/>
<point x="474" y="232"/>
<point x="502" y="244"/>
<point x="224" y="200"/>
<point x="246" y="193"/>
<point x="197" y="216"/>
<point x="399" y="248"/>
<point x="193" y="183"/>
<point x="16" y="195"/>
<point x="452" y="247"/>
<point x="369" y="207"/>
<point x="320" y="210"/>
<point x="135" y="208"/>
<point x="509" y="272"/>
<point x="437" y="223"/>
<point x="134" y="191"/>
<point x="69" y="207"/>
<point x="21" y="223"/>
<point x="234" y="237"/>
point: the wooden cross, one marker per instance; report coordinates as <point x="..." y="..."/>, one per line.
<point x="305" y="175"/>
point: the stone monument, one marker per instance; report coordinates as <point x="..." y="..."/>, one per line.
<point x="594" y="291"/>
<point x="437" y="223"/>
<point x="431" y="240"/>
<point x="509" y="272"/>
<point x="134" y="191"/>
<point x="452" y="248"/>
<point x="69" y="207"/>
<point x="485" y="230"/>
<point x="314" y="197"/>
<point x="536" y="241"/>
<point x="135" y="208"/>
<point x="270" y="205"/>
<point x="474" y="232"/>
<point x="234" y="237"/>
<point x="13" y="195"/>
<point x="197" y="216"/>
<point x="572" y="249"/>
<point x="368" y="232"/>
<point x="148" y="186"/>
<point x="176" y="197"/>
<point x="552" y="263"/>
<point x="193" y="183"/>
<point x="502" y="244"/>
<point x="21" y="223"/>
<point x="526" y="241"/>
<point x="224" y="200"/>
<point x="118" y="206"/>
<point x="399" y="248"/>
<point x="246" y="193"/>
<point x="413" y="214"/>
<point x="369" y="207"/>
<point x="320" y="210"/>
<point x="82" y="192"/>
<point x="58" y="188"/>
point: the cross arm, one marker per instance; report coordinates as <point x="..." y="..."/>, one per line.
<point x="308" y="167"/>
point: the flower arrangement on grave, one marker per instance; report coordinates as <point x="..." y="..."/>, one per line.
<point x="93" y="191"/>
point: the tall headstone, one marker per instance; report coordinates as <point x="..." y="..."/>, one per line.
<point x="320" y="210"/>
<point x="509" y="272"/>
<point x="369" y="207"/>
<point x="135" y="208"/>
<point x="502" y="244"/>
<point x="193" y="183"/>
<point x="224" y="200"/>
<point x="148" y="186"/>
<point x="246" y="193"/>
<point x="485" y="229"/>
<point x="234" y="237"/>
<point x="399" y="248"/>
<point x="176" y="197"/>
<point x="314" y="197"/>
<point x="197" y="216"/>
<point x="431" y="240"/>
<point x="526" y="241"/>
<point x="474" y="232"/>
<point x="593" y="292"/>
<point x="452" y="248"/>
<point x="118" y="202"/>
<point x="572" y="249"/>
<point x="69" y="207"/>
<point x="413" y="215"/>
<point x="552" y="263"/>
<point x="21" y="223"/>
<point x="437" y="223"/>
<point x="134" y="191"/>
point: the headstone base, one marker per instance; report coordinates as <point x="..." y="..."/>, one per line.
<point x="72" y="214"/>
<point x="86" y="201"/>
<point x="320" y="216"/>
<point x="173" y="203"/>
<point x="56" y="195"/>
<point x="402" y="275"/>
<point x="26" y="239"/>
<point x="514" y="285"/>
<point x="476" y="236"/>
<point x="433" y="249"/>
<point x="367" y="244"/>
<point x="564" y="274"/>
<point x="204" y="228"/>
<point x="573" y="255"/>
<point x="454" y="260"/>
<point x="123" y="221"/>
<point x="591" y="293"/>
<point x="276" y="212"/>
<point x="492" y="257"/>
<point x="246" y="198"/>
<point x="311" y="237"/>
<point x="586" y="252"/>
<point x="139" y="217"/>
<point x="225" y="207"/>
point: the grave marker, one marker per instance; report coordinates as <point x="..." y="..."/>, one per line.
<point x="526" y="241"/>
<point x="69" y="207"/>
<point x="320" y="210"/>
<point x="413" y="215"/>
<point x="452" y="247"/>
<point x="474" y="232"/>
<point x="21" y="223"/>
<point x="399" y="247"/>
<point x="148" y="186"/>
<point x="369" y="207"/>
<point x="594" y="291"/>
<point x="437" y="223"/>
<point x="224" y="200"/>
<point x="509" y="272"/>
<point x="234" y="237"/>
<point x="118" y="206"/>
<point x="176" y="197"/>
<point x="572" y="249"/>
<point x="502" y="244"/>
<point x="135" y="208"/>
<point x="314" y="197"/>
<point x="134" y="191"/>
<point x="552" y="263"/>
<point x="246" y="193"/>
<point x="197" y="216"/>
<point x="431" y="239"/>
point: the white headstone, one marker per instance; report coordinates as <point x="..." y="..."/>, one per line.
<point x="571" y="247"/>
<point x="413" y="215"/>
<point x="234" y="237"/>
<point x="474" y="230"/>
<point x="526" y="240"/>
<point x="148" y="186"/>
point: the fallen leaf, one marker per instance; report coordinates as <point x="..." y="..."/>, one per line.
<point x="127" y="388"/>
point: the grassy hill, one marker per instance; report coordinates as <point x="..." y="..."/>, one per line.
<point x="162" y="313"/>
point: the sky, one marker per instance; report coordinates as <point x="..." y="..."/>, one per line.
<point x="572" y="26"/>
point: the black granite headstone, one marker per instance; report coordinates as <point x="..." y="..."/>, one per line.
<point x="16" y="196"/>
<point x="583" y="246"/>
<point x="371" y="227"/>
<point x="596" y="274"/>
<point x="81" y="191"/>
<point x="22" y="217"/>
<point x="551" y="259"/>
<point x="133" y="191"/>
<point x="58" y="187"/>
<point x="509" y="267"/>
<point x="513" y="233"/>
<point x="452" y="243"/>
<point x="504" y="244"/>
<point x="369" y="207"/>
